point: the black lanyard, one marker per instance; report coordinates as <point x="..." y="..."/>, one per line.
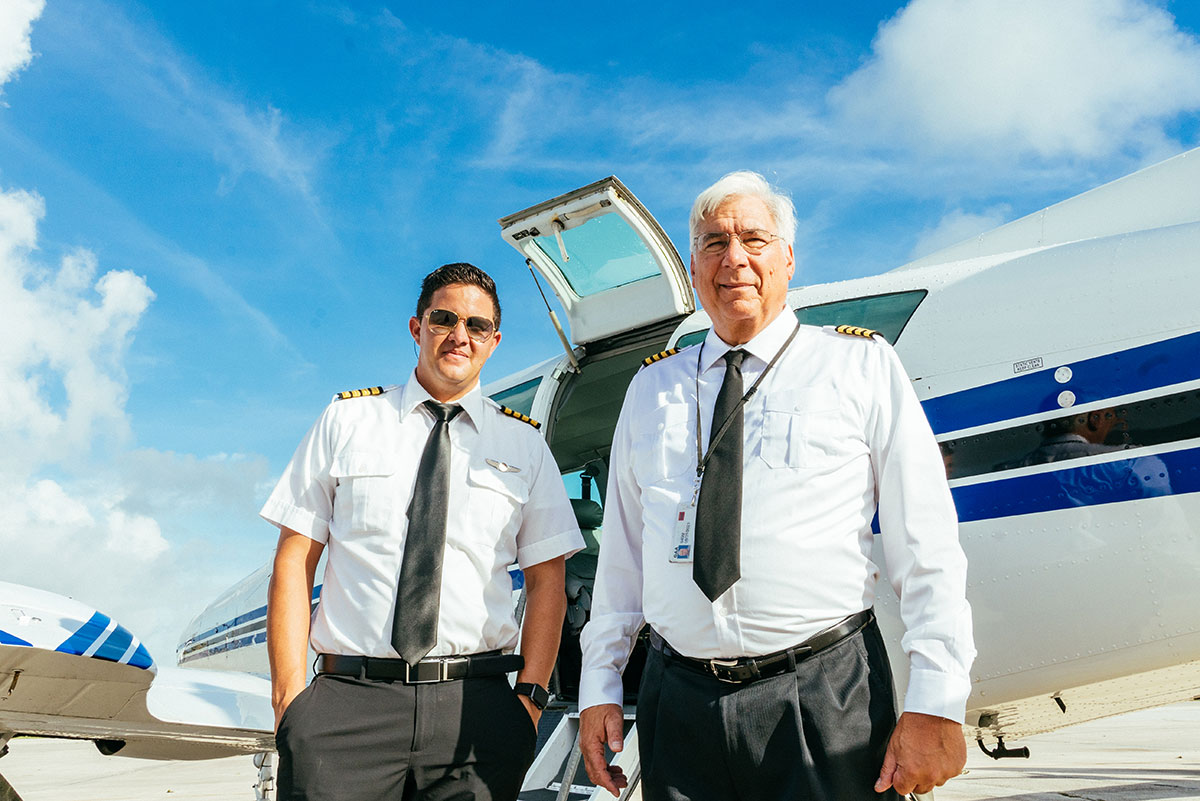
<point x="720" y="432"/>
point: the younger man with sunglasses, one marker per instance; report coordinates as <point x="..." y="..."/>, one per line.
<point x="425" y="494"/>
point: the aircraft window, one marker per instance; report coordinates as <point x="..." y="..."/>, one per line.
<point x="603" y="253"/>
<point x="887" y="314"/>
<point x="1126" y="426"/>
<point x="520" y="397"/>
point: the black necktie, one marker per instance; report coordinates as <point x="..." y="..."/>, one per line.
<point x="414" y="628"/>
<point x="719" y="511"/>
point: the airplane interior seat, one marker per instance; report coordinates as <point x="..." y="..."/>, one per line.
<point x="581" y="576"/>
<point x="581" y="567"/>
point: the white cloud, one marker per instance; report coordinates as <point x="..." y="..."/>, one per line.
<point x="123" y="530"/>
<point x="134" y="536"/>
<point x="958" y="226"/>
<point x="1072" y="78"/>
<point x="62" y="338"/>
<point x="16" y="22"/>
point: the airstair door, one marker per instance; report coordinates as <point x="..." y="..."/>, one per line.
<point x="607" y="259"/>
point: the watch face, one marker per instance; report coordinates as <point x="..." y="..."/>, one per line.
<point x="534" y="692"/>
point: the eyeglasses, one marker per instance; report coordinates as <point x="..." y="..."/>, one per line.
<point x="443" y="321"/>
<point x="754" y="241"/>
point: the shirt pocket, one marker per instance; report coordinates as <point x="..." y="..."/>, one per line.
<point x="366" y="489"/>
<point x="664" y="444"/>
<point x="795" y="424"/>
<point x="497" y="496"/>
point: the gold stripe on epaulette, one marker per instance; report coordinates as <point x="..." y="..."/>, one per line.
<point x="649" y="360"/>
<point x="360" y="393"/>
<point x="856" y="331"/>
<point x="524" y="418"/>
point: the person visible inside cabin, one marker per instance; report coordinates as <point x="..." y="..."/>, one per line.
<point x="1093" y="433"/>
<point x="1082" y="434"/>
<point x="422" y="494"/>
<point x="744" y="475"/>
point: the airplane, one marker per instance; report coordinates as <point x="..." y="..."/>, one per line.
<point x="1057" y="358"/>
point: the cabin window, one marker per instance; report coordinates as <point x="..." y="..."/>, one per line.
<point x="1121" y="427"/>
<point x="887" y="314"/>
<point x="520" y="397"/>
<point x="600" y="254"/>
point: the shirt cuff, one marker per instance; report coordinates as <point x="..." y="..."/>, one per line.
<point x="301" y="521"/>
<point x="932" y="692"/>
<point x="600" y="686"/>
<point x="565" y="544"/>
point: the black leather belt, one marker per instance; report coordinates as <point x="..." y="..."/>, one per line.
<point x="751" y="668"/>
<point x="427" y="671"/>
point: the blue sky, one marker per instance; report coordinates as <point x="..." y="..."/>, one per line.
<point x="215" y="215"/>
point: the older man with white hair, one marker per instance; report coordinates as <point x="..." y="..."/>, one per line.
<point x="744" y="477"/>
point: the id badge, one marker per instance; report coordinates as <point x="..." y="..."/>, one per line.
<point x="685" y="527"/>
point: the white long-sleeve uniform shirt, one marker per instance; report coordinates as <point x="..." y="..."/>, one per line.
<point x="349" y="486"/>
<point x="834" y="432"/>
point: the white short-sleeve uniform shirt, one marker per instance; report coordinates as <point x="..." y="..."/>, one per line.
<point x="349" y="485"/>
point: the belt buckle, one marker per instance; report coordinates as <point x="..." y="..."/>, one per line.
<point x="444" y="670"/>
<point x="442" y="674"/>
<point x="715" y="665"/>
<point x="411" y="673"/>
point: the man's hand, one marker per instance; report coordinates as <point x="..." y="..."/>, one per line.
<point x="534" y="713"/>
<point x="289" y="608"/>
<point x="598" y="726"/>
<point x="925" y="751"/>
<point x="284" y="701"/>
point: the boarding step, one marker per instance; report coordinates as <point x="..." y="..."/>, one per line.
<point x="557" y="772"/>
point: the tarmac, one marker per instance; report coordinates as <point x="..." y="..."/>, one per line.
<point x="1152" y="755"/>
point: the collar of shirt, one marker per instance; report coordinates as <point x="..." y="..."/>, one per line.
<point x="415" y="395"/>
<point x="765" y="344"/>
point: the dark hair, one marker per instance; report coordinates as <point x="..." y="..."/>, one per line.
<point x="457" y="273"/>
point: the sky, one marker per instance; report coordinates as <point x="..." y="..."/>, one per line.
<point x="213" y="216"/>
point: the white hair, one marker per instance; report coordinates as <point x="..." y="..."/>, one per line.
<point x="750" y="184"/>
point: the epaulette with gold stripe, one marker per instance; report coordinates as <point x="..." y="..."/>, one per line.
<point x="524" y="418"/>
<point x="358" y="393"/>
<point x="856" y="331"/>
<point x="658" y="357"/>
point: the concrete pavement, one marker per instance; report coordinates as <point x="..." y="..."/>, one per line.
<point x="1153" y="755"/>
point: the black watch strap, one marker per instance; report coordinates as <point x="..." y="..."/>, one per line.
<point x="534" y="692"/>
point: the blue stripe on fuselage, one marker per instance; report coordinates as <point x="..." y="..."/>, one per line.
<point x="245" y="617"/>
<point x="115" y="646"/>
<point x="1175" y="473"/>
<point x="86" y="635"/>
<point x="1159" y="364"/>
<point x="11" y="639"/>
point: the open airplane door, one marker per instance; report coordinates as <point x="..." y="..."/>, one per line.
<point x="608" y="260"/>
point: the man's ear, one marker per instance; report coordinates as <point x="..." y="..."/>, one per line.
<point x="414" y="328"/>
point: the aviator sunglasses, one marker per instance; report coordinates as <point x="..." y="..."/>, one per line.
<point x="443" y="321"/>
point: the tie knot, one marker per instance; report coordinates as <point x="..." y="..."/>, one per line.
<point x="444" y="412"/>
<point x="734" y="358"/>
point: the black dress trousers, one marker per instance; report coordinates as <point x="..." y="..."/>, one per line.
<point x="354" y="739"/>
<point x="818" y="734"/>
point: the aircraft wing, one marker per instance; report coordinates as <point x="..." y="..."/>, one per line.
<point x="70" y="671"/>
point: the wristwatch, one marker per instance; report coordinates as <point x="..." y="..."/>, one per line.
<point x="534" y="692"/>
